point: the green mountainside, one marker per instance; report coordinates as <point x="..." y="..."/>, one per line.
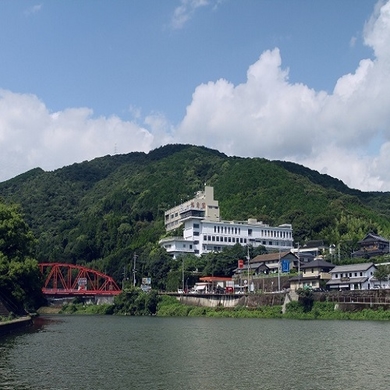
<point x="103" y="211"/>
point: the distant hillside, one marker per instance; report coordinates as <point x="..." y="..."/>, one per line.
<point x="106" y="209"/>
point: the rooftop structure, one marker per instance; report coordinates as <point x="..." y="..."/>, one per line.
<point x="203" y="205"/>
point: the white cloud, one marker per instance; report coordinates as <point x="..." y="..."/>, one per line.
<point x="186" y="10"/>
<point x="31" y="136"/>
<point x="345" y="133"/>
<point x="270" y="117"/>
<point x="33" y="9"/>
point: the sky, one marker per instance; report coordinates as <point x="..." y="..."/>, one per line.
<point x="302" y="81"/>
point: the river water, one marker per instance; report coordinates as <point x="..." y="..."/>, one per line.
<point x="113" y="352"/>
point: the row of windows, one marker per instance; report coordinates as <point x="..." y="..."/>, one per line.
<point x="240" y="240"/>
<point x="237" y="231"/>
<point x="225" y="239"/>
<point x="346" y="275"/>
<point x="227" y="230"/>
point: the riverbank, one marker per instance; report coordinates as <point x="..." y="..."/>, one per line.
<point x="169" y="306"/>
<point x="9" y="326"/>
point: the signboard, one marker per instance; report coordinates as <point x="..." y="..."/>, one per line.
<point x="147" y="281"/>
<point x="82" y="283"/>
<point x="285" y="266"/>
<point x="240" y="264"/>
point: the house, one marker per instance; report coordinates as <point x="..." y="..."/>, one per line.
<point x="352" y="277"/>
<point x="269" y="263"/>
<point x="310" y="250"/>
<point x="314" y="274"/>
<point x="372" y="245"/>
<point x="205" y="232"/>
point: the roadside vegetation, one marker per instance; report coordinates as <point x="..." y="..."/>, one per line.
<point x="135" y="302"/>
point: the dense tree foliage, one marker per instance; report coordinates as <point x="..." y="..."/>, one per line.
<point x="108" y="211"/>
<point x="20" y="280"/>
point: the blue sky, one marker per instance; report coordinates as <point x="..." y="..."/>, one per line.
<point x="302" y="80"/>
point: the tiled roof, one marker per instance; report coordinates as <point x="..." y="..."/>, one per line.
<point x="350" y="281"/>
<point x="270" y="256"/>
<point x="352" y="267"/>
<point x="318" y="263"/>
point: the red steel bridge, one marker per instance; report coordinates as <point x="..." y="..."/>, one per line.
<point x="72" y="280"/>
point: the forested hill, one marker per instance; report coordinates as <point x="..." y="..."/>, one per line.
<point x="108" y="208"/>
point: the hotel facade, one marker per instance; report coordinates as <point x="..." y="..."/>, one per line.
<point x="204" y="231"/>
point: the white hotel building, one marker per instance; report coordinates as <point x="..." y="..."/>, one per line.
<point x="204" y="231"/>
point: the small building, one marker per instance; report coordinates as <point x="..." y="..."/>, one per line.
<point x="352" y="277"/>
<point x="372" y="245"/>
<point x="269" y="263"/>
<point x="212" y="284"/>
<point x="314" y="275"/>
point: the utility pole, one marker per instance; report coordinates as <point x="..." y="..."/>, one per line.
<point x="299" y="269"/>
<point x="124" y="277"/>
<point x="182" y="275"/>
<point x="248" y="258"/>
<point x="134" y="270"/>
<point x="279" y="272"/>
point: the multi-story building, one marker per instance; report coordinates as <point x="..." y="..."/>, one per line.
<point x="372" y="245"/>
<point x="352" y="277"/>
<point x="203" y="205"/>
<point x="204" y="231"/>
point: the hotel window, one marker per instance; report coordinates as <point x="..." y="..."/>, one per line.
<point x="249" y="232"/>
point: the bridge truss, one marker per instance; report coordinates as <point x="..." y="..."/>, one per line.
<point x="68" y="280"/>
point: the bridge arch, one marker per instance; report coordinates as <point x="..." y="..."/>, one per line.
<point x="68" y="280"/>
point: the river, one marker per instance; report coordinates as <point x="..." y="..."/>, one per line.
<point x="113" y="352"/>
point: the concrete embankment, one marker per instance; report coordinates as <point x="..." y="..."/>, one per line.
<point x="7" y="327"/>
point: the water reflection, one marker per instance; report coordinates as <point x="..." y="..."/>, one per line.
<point x="102" y="352"/>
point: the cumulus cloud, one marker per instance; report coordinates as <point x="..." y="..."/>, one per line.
<point x="270" y="117"/>
<point x="32" y="136"/>
<point x="344" y="133"/>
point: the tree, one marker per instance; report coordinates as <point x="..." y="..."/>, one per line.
<point x="20" y="279"/>
<point x="382" y="273"/>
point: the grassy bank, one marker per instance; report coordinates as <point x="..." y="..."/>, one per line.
<point x="133" y="303"/>
<point x="169" y="307"/>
